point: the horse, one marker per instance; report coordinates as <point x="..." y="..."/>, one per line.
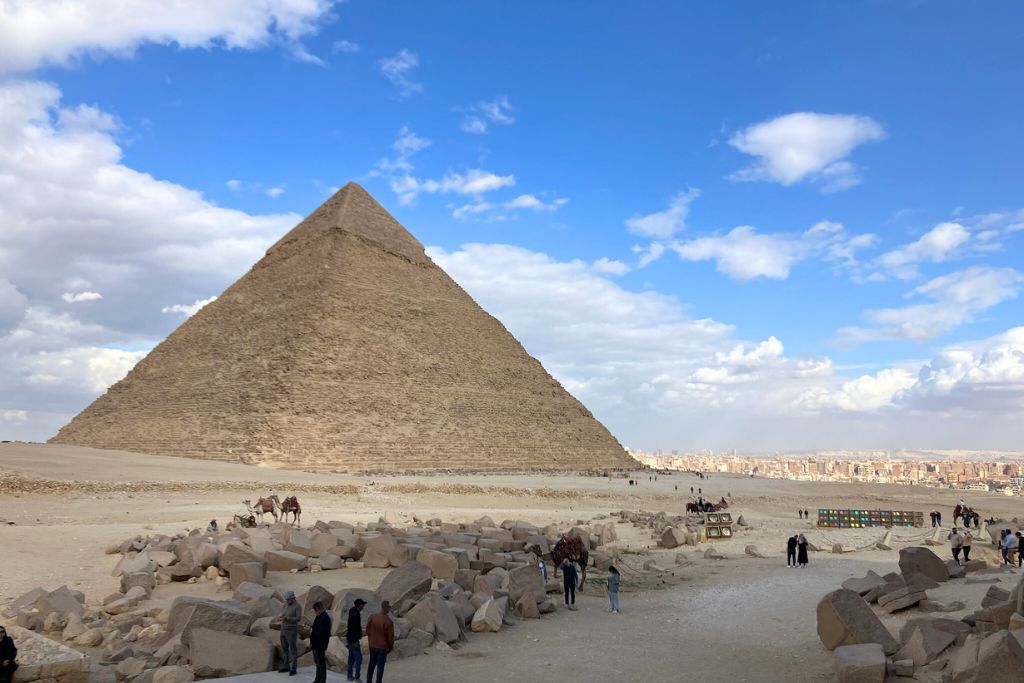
<point x="289" y="505"/>
<point x="263" y="506"/>
<point x="573" y="548"/>
<point x="693" y="508"/>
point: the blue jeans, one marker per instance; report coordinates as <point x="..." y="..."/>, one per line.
<point x="355" y="660"/>
<point x="378" y="658"/>
<point x="613" y="597"/>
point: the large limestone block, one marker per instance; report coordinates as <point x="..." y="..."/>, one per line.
<point x="672" y="537"/>
<point x="188" y="613"/>
<point x="442" y="565"/>
<point x="863" y="663"/>
<point x="218" y="654"/>
<point x="1000" y="660"/>
<point x="845" y="619"/>
<point x="526" y="581"/>
<point x="490" y="615"/>
<point x="865" y="585"/>
<point x="236" y="552"/>
<point x="323" y="543"/>
<point x="301" y="543"/>
<point x="383" y="551"/>
<point x="243" y="572"/>
<point x="410" y="581"/>
<point x="63" y="600"/>
<point x="434" y="615"/>
<point x="285" y="561"/>
<point x="925" y="645"/>
<point x="919" y="560"/>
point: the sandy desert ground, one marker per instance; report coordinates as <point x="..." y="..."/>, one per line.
<point x="738" y="619"/>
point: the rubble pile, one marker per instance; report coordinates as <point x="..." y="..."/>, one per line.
<point x="984" y="646"/>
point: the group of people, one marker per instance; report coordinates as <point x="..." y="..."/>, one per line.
<point x="796" y="551"/>
<point x="803" y="514"/>
<point x="960" y="542"/>
<point x="966" y="514"/>
<point x="1010" y="544"/>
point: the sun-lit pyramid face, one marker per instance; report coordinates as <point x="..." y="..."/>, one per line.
<point x="347" y="349"/>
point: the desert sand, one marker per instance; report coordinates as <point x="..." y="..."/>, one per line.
<point x="737" y="619"/>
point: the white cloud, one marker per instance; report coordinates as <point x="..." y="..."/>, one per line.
<point x="406" y="144"/>
<point x="649" y="254"/>
<point x="88" y="369"/>
<point x="62" y="31"/>
<point x="499" y="111"/>
<point x="935" y="246"/>
<point x="664" y="224"/>
<point x="398" y="69"/>
<point x="474" y="182"/>
<point x="743" y="254"/>
<point x="957" y="299"/>
<point x="607" y="266"/>
<point x="345" y="46"/>
<point x="865" y="393"/>
<point x="234" y="185"/>
<point x="529" y="201"/>
<point x="805" y="146"/>
<point x="77" y="297"/>
<point x="13" y="415"/>
<point x="275" y="192"/>
<point x="188" y="309"/>
<point x="468" y="211"/>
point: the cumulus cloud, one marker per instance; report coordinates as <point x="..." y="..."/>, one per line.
<point x="474" y="182"/>
<point x="77" y="297"/>
<point x="13" y="415"/>
<point x="60" y="32"/>
<point x="398" y="69"/>
<point x="188" y="310"/>
<point x="956" y="299"/>
<point x="664" y="224"/>
<point x="78" y="221"/>
<point x="805" y="146"/>
<point x="939" y="244"/>
<point x="607" y="266"/>
<point x="498" y="111"/>
<point x="275" y="192"/>
<point x="529" y="201"/>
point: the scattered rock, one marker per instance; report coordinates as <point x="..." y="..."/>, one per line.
<point x="864" y="663"/>
<point x="844" y="618"/>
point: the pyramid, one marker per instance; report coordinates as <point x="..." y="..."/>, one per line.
<point x="346" y="349"/>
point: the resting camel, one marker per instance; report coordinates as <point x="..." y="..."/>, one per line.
<point x="289" y="505"/>
<point x="573" y="548"/>
<point x="262" y="507"/>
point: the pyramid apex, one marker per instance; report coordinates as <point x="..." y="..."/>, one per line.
<point x="355" y="211"/>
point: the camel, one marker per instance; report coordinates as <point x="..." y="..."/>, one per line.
<point x="573" y="548"/>
<point x="263" y="506"/>
<point x="289" y="505"/>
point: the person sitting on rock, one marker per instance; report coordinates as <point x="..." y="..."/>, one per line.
<point x="8" y="656"/>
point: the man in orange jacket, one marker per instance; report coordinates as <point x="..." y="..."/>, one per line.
<point x="380" y="631"/>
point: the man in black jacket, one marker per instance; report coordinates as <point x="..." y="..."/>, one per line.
<point x="319" y="639"/>
<point x="353" y="634"/>
<point x="791" y="551"/>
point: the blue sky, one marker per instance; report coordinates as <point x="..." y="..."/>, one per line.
<point x="834" y="189"/>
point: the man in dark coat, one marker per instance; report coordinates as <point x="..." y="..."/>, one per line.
<point x="791" y="551"/>
<point x="8" y="656"/>
<point x="353" y="634"/>
<point x="319" y="639"/>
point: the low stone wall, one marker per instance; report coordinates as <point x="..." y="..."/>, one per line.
<point x="42" y="659"/>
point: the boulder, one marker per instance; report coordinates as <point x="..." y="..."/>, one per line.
<point x="865" y="585"/>
<point x="89" y="638"/>
<point x="671" y="537"/>
<point x="188" y="613"/>
<point x="25" y="601"/>
<point x="74" y="628"/>
<point x="241" y="572"/>
<point x="415" y="643"/>
<point x="410" y="581"/>
<point x="442" y="565"/>
<point x="903" y="598"/>
<point x="994" y="596"/>
<point x="434" y="615"/>
<point x="62" y="600"/>
<point x="465" y="578"/>
<point x="300" y="543"/>
<point x="217" y="654"/>
<point x="129" y="668"/>
<point x="313" y="595"/>
<point x="844" y="618"/>
<point x="383" y="551"/>
<point x="864" y="663"/>
<point x="172" y="674"/>
<point x="330" y="561"/>
<point x="526" y="581"/>
<point x="526" y="607"/>
<point x="145" y="580"/>
<point x="235" y="553"/>
<point x="285" y="561"/>
<point x="925" y="644"/>
<point x="490" y="616"/>
<point x="919" y="560"/>
<point x="1000" y="660"/>
<point x="752" y="551"/>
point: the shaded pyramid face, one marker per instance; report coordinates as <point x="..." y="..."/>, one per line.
<point x="347" y="349"/>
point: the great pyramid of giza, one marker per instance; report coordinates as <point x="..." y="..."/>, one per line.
<point x="346" y="349"/>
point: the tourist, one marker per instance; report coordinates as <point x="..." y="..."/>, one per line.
<point x="290" y="619"/>
<point x="931" y="515"/>
<point x="800" y="513"/>
<point x="353" y="634"/>
<point x="938" y="518"/>
<point x="956" y="542"/>
<point x="211" y="528"/>
<point x="977" y="518"/>
<point x="968" y="540"/>
<point x="691" y="490"/>
<point x="807" y="515"/>
<point x="543" y="567"/>
<point x="8" y="657"/>
<point x="613" y="588"/>
<point x="791" y="551"/>
<point x="319" y="639"/>
<point x="801" y="553"/>
<point x="380" y="631"/>
<point x="1011" y="547"/>
<point x="569" y="579"/>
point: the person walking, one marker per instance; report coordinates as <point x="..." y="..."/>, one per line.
<point x="353" y="634"/>
<point x="290" y="619"/>
<point x="613" y="588"/>
<point x="968" y="540"/>
<point x="8" y="656"/>
<point x="807" y="515"/>
<point x="800" y="513"/>
<point x="319" y="639"/>
<point x="801" y="551"/>
<point x="569" y="579"/>
<point x="956" y="542"/>
<point x="931" y="516"/>
<point x="380" y="631"/>
<point x="1011" y="547"/>
<point x="791" y="551"/>
<point x="938" y="518"/>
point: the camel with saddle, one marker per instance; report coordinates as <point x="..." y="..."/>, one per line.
<point x="289" y="505"/>
<point x="571" y="545"/>
<point x="262" y="507"/>
<point x="707" y="506"/>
